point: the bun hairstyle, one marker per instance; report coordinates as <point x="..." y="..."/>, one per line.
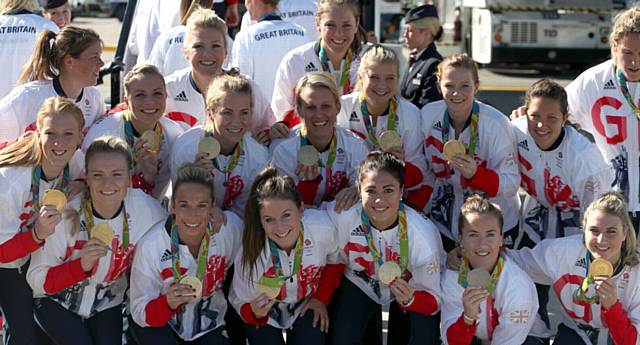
<point x="193" y="173"/>
<point x="27" y="150"/>
<point x="267" y="185"/>
<point x="615" y="205"/>
<point x="478" y="204"/>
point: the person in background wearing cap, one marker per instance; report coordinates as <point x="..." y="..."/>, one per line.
<point x="58" y="11"/>
<point x="422" y="29"/>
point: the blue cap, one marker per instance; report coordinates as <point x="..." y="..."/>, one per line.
<point x="424" y="11"/>
<point x="49" y="4"/>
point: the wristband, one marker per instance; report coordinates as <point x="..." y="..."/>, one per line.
<point x="413" y="297"/>
<point x="35" y="234"/>
<point x="466" y="318"/>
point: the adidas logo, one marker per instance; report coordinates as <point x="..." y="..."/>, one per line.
<point x="357" y="231"/>
<point x="353" y="117"/>
<point x="524" y="144"/>
<point x="438" y="125"/>
<point x="166" y="256"/>
<point x="610" y="85"/>
<point x="181" y="97"/>
<point x="582" y="263"/>
<point x="310" y="67"/>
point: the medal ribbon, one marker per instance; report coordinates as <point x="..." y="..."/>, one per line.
<point x="368" y="123"/>
<point x="129" y="131"/>
<point x="233" y="163"/>
<point x="203" y="252"/>
<point x="493" y="281"/>
<point x="344" y="82"/>
<point x="581" y="293"/>
<point x="625" y="92"/>
<point x="88" y="217"/>
<point x="304" y="140"/>
<point x="402" y="232"/>
<point x="475" y="117"/>
<point x="36" y="177"/>
<point x="279" y="278"/>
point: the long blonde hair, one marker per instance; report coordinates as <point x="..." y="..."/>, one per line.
<point x="377" y="54"/>
<point x="11" y="6"/>
<point x="51" y="48"/>
<point x="27" y="150"/>
<point x="613" y="204"/>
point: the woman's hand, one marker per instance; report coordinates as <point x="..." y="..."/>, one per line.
<point x="203" y="162"/>
<point x="179" y="294"/>
<point x="471" y="299"/>
<point x="261" y="306"/>
<point x="607" y="291"/>
<point x="91" y="252"/>
<point x="218" y="218"/>
<point x="46" y="222"/>
<point x="397" y="151"/>
<point x="320" y="313"/>
<point x="307" y="173"/>
<point x="279" y="131"/>
<point x="518" y="112"/>
<point x="147" y="159"/>
<point x="465" y="165"/>
<point x="261" y="136"/>
<point x="402" y="291"/>
<point x="346" y="198"/>
<point x="76" y="187"/>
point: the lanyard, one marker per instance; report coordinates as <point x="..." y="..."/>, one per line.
<point x="368" y="123"/>
<point x="233" y="163"/>
<point x="344" y="82"/>
<point x="279" y="277"/>
<point x="129" y="135"/>
<point x="581" y="293"/>
<point x="493" y="281"/>
<point x="36" y="177"/>
<point x="625" y="92"/>
<point x="88" y="217"/>
<point x="402" y="232"/>
<point x="475" y="117"/>
<point x="203" y="252"/>
<point x="304" y="140"/>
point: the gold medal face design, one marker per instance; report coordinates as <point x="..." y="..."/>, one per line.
<point x="601" y="268"/>
<point x="478" y="278"/>
<point x="195" y="284"/>
<point x="389" y="140"/>
<point x="210" y="146"/>
<point x="152" y="140"/>
<point x="103" y="232"/>
<point x="308" y="155"/>
<point x="270" y="291"/>
<point x="453" y="148"/>
<point x="389" y="271"/>
<point x="55" y="198"/>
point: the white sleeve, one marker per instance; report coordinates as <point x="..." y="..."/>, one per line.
<point x="517" y="317"/>
<point x="595" y="184"/>
<point x="578" y="106"/>
<point x="412" y="142"/>
<point x="505" y="153"/>
<point x="359" y="152"/>
<point x="158" y="52"/>
<point x="282" y="100"/>
<point x="51" y="255"/>
<point x="283" y="161"/>
<point x="426" y="277"/>
<point x="10" y="129"/>
<point x="451" y="307"/>
<point x="96" y="131"/>
<point x="10" y="211"/>
<point x="242" y="55"/>
<point x="538" y="261"/>
<point x="145" y="284"/>
<point x="243" y="290"/>
<point x="263" y="115"/>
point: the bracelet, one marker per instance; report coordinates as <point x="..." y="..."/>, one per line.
<point x="413" y="297"/>
<point x="466" y="318"/>
<point x="35" y="234"/>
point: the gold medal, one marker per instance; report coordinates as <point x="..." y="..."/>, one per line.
<point x="478" y="278"/>
<point x="452" y="148"/>
<point x="152" y="140"/>
<point x="210" y="146"/>
<point x="601" y="268"/>
<point x="389" y="140"/>
<point x="55" y="198"/>
<point x="102" y="232"/>
<point x="389" y="271"/>
<point x="308" y="155"/>
<point x="270" y="291"/>
<point x="195" y="284"/>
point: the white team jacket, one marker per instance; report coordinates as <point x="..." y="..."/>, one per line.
<point x="18" y="34"/>
<point x="254" y="158"/>
<point x="56" y="272"/>
<point x="598" y="106"/>
<point x="17" y="210"/>
<point x="514" y="308"/>
<point x="301" y="12"/>
<point x="350" y="150"/>
<point x="425" y="253"/>
<point x="563" y="264"/>
<point x="258" y="50"/>
<point x="294" y="65"/>
<point x="152" y="275"/>
<point x="114" y="126"/>
<point x="560" y="183"/>
<point x="186" y="105"/>
<point x="496" y="153"/>
<point x="320" y="248"/>
<point x="19" y="109"/>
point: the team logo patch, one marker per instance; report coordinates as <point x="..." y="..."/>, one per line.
<point x="357" y="231"/>
<point x="310" y="67"/>
<point x="610" y="85"/>
<point x="166" y="256"/>
<point x="519" y="316"/>
<point x="524" y="144"/>
<point x="353" y="116"/>
<point x="581" y="263"/>
<point x="438" y="126"/>
<point x="181" y="97"/>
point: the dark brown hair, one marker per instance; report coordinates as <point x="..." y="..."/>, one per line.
<point x="381" y="161"/>
<point x="478" y="204"/>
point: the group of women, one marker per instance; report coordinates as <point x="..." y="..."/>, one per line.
<point x="307" y="226"/>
